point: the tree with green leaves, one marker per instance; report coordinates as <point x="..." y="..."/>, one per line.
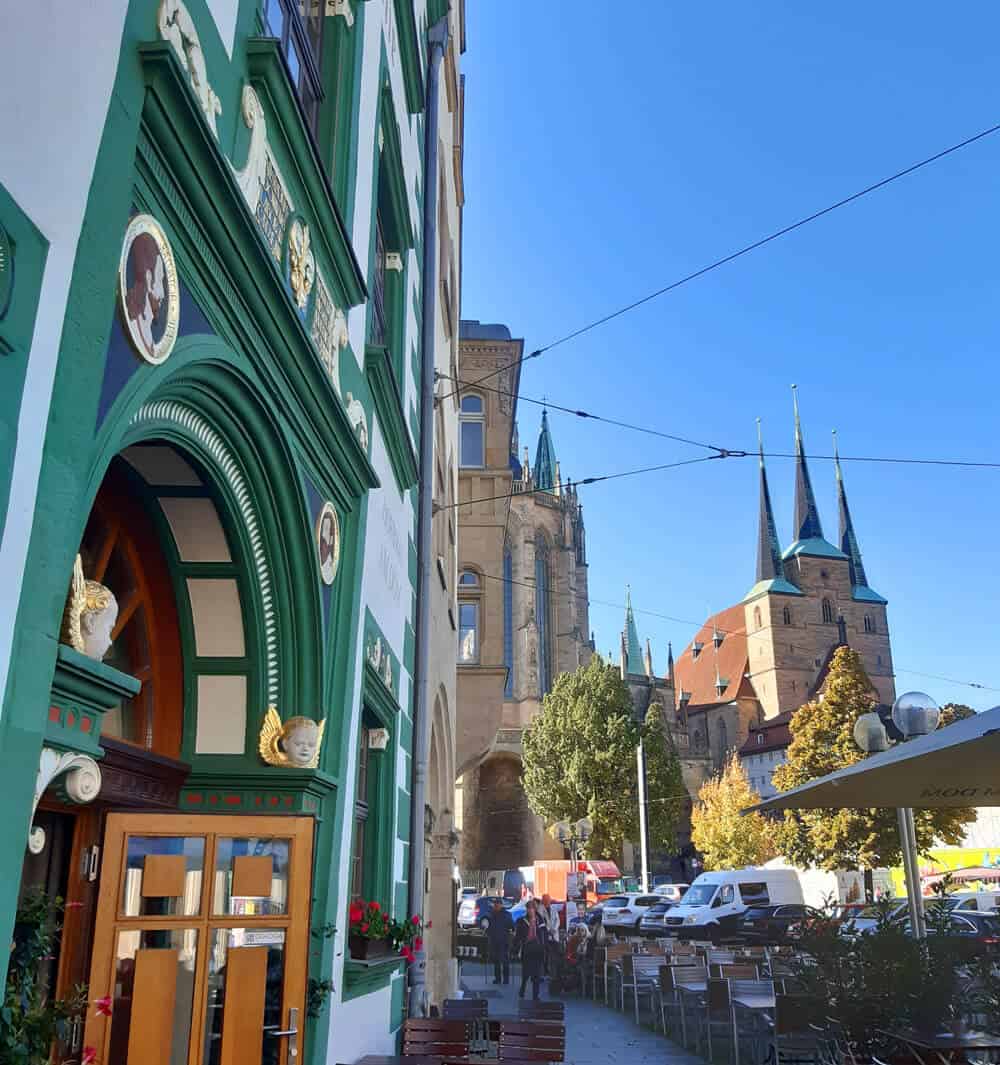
<point x="823" y="741"/>
<point x="726" y="838"/>
<point x="579" y="760"/>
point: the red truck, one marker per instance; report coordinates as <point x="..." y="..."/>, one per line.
<point x="600" y="880"/>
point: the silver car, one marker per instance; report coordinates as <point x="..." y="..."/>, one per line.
<point x="652" y="921"/>
<point x="624" y="912"/>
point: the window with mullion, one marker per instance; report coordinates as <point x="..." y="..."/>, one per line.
<point x="361" y="807"/>
<point x="299" y="28"/>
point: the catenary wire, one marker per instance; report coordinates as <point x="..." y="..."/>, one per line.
<point x="729" y="452"/>
<point x="725" y="632"/>
<point x="745" y="250"/>
<point x="586" y="480"/>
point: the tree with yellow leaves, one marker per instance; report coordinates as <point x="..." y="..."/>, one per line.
<point x="726" y="838"/>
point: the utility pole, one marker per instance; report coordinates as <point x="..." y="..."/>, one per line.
<point x="640" y="759"/>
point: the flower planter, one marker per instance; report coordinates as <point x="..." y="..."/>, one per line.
<point x="364" y="949"/>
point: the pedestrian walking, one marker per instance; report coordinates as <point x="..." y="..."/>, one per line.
<point x="532" y="936"/>
<point x="498" y="939"/>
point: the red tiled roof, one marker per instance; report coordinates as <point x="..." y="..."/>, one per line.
<point x="697" y="675"/>
<point x="775" y="732"/>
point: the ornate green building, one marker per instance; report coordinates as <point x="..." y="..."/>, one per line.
<point x="211" y="226"/>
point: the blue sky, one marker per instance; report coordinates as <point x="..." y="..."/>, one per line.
<point x="613" y="148"/>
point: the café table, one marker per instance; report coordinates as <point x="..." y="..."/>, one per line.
<point x="944" y="1045"/>
<point x="689" y="988"/>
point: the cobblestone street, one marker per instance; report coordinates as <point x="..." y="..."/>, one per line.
<point x="595" y="1034"/>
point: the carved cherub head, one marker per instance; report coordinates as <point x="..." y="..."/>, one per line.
<point x="90" y="615"/>
<point x="294" y="743"/>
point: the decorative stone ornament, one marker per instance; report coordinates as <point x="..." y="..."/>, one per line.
<point x="328" y="543"/>
<point x="301" y="263"/>
<point x="340" y="7"/>
<point x="378" y="739"/>
<point x="381" y="661"/>
<point x="358" y="420"/>
<point x="148" y="292"/>
<point x="80" y="782"/>
<point x="89" y="616"/>
<point x="177" y="27"/>
<point x="294" y="745"/>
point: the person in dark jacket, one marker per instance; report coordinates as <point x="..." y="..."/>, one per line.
<point x="532" y="936"/>
<point x="498" y="937"/>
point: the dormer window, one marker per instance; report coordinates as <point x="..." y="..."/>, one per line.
<point x="684" y="698"/>
<point x="760" y="739"/>
<point x="717" y="637"/>
<point x="721" y="683"/>
<point x="696" y="649"/>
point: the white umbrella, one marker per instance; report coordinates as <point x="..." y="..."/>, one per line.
<point x="958" y="765"/>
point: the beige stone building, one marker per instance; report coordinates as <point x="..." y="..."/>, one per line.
<point x="769" y="653"/>
<point x="522" y="604"/>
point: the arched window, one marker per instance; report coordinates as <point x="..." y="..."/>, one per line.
<point x="827" y="612"/>
<point x="756" y="617"/>
<point x="508" y="621"/>
<point x="542" y="596"/>
<point x="869" y="623"/>
<point x="469" y="601"/>
<point x="786" y="616"/>
<point x="472" y="432"/>
<point x="723" y="741"/>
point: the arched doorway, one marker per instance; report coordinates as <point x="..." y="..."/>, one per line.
<point x="189" y="921"/>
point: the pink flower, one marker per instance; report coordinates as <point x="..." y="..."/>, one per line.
<point x="355" y="914"/>
<point x="103" y="1006"/>
<point x="430" y="924"/>
<point x="89" y="1056"/>
<point x="408" y="954"/>
<point x="415" y="918"/>
<point x="365" y="926"/>
<point x="374" y="907"/>
<point x="418" y="944"/>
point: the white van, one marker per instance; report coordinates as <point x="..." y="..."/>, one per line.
<point x="712" y="906"/>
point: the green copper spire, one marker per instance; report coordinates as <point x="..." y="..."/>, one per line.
<point x="848" y="539"/>
<point x="633" y="649"/>
<point x="545" y="457"/>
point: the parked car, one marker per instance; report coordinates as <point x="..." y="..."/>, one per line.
<point x="467" y="893"/>
<point x="651" y="922"/>
<point x="975" y="934"/>
<point x="775" y="924"/>
<point x="671" y="892"/>
<point x="624" y="912"/>
<point x="475" y="913"/>
<point x="867" y="918"/>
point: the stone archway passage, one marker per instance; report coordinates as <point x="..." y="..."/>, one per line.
<point x="506" y="825"/>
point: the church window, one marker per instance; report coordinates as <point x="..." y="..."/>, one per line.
<point x="827" y="612"/>
<point x="542" y="596"/>
<point x="880" y="660"/>
<point x="299" y="29"/>
<point x="786" y="616"/>
<point x="508" y="622"/>
<point x="469" y="590"/>
<point x="468" y="633"/>
<point x="869" y="623"/>
<point x="472" y="435"/>
<point x="756" y="617"/>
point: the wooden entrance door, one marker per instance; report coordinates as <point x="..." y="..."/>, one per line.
<point x="201" y="940"/>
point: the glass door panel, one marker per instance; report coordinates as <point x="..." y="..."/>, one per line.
<point x="202" y="970"/>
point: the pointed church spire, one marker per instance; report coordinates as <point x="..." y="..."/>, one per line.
<point x="670" y="662"/>
<point x="545" y="457"/>
<point x="769" y="564"/>
<point x="630" y="638"/>
<point x="807" y="523"/>
<point x="649" y="659"/>
<point x="848" y="539"/>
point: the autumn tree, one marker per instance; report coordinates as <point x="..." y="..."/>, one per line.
<point x="726" y="838"/>
<point x="580" y="760"/>
<point x="823" y="741"/>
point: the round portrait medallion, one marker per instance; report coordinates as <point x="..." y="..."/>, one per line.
<point x="328" y="542"/>
<point x="148" y="293"/>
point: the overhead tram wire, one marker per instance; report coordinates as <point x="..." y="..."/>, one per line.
<point x="745" y="250"/>
<point x="593" y="480"/>
<point x="530" y="585"/>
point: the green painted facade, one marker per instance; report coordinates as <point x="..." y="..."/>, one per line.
<point x="246" y="399"/>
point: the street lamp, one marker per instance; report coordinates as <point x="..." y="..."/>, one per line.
<point x="573" y="836"/>
<point x="914" y="714"/>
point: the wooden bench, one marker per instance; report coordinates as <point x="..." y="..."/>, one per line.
<point x="534" y="1041"/>
<point x="436" y="1037"/>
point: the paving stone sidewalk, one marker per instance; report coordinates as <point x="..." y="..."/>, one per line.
<point x="595" y="1034"/>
